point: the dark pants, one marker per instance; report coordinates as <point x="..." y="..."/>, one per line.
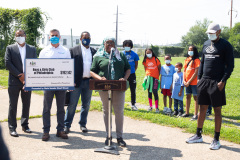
<point x="47" y="105"/>
<point x="13" y="92"/>
<point x="132" y="83"/>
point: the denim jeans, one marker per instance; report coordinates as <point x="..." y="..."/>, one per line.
<point x="176" y="103"/>
<point x="86" y="95"/>
<point x="209" y="110"/>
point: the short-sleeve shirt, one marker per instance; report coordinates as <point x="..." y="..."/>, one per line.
<point x="132" y="57"/>
<point x="100" y="66"/>
<point x="152" y="67"/>
<point x="177" y="84"/>
<point x="167" y="76"/>
<point x="190" y="69"/>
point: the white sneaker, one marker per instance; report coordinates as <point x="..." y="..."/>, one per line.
<point x="157" y="110"/>
<point x="169" y="111"/>
<point x="134" y="108"/>
<point x="165" y="109"/>
<point x="194" y="139"/>
<point x="215" y="145"/>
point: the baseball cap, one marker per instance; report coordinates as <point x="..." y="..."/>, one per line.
<point x="213" y="28"/>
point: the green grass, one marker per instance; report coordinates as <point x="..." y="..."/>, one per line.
<point x="231" y="112"/>
<point x="229" y="132"/>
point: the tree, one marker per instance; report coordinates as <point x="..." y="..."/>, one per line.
<point x="235" y="39"/>
<point x="155" y="49"/>
<point x="196" y="35"/>
<point x="32" y="21"/>
<point x="225" y="32"/>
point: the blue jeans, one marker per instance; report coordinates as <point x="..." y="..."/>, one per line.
<point x="176" y="103"/>
<point x="209" y="110"/>
<point x="86" y="95"/>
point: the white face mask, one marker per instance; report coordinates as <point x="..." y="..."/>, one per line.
<point x="190" y="53"/>
<point x="176" y="69"/>
<point x="149" y="55"/>
<point x="212" y="37"/>
<point x="20" y="40"/>
<point x="167" y="61"/>
<point x="127" y="49"/>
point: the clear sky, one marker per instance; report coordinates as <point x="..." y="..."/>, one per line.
<point x="144" y="21"/>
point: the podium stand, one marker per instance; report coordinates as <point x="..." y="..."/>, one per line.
<point x="109" y="86"/>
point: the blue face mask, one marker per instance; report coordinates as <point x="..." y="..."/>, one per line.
<point x="86" y="42"/>
<point x="212" y="37"/>
<point x="54" y="40"/>
<point x="190" y="53"/>
<point x="127" y="49"/>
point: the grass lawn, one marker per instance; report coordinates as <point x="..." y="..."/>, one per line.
<point x="231" y="112"/>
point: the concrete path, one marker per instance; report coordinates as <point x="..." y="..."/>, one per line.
<point x="144" y="140"/>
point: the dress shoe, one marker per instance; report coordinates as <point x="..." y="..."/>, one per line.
<point x="66" y="130"/>
<point x="62" y="134"/>
<point x="84" y="129"/>
<point x="13" y="133"/>
<point x="45" y="137"/>
<point x="26" y="129"/>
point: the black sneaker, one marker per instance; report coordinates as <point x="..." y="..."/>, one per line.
<point x="175" y="113"/>
<point x="179" y="114"/>
<point x="66" y="130"/>
<point x="84" y="129"/>
<point x="121" y="142"/>
<point x="185" y="115"/>
<point x="106" y="141"/>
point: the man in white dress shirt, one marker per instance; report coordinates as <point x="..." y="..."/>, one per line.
<point x="15" y="61"/>
<point x="83" y="55"/>
<point x="54" y="50"/>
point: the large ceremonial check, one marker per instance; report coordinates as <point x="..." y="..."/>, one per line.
<point x="49" y="74"/>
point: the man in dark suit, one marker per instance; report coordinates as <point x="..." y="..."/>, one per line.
<point x="15" y="62"/>
<point x="83" y="55"/>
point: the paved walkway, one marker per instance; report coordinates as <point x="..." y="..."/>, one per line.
<point x="144" y="140"/>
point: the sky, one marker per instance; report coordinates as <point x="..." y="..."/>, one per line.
<point x="157" y="22"/>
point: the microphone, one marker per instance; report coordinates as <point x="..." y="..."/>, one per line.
<point x="111" y="53"/>
<point x="110" y="58"/>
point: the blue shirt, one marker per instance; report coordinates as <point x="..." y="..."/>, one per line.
<point x="167" y="76"/>
<point x="177" y="83"/>
<point x="131" y="57"/>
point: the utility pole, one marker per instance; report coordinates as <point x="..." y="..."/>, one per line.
<point x="117" y="26"/>
<point x="71" y="38"/>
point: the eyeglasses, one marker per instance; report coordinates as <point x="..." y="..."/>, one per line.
<point x="110" y="43"/>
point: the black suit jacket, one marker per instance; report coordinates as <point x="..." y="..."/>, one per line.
<point x="13" y="62"/>
<point x="76" y="53"/>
